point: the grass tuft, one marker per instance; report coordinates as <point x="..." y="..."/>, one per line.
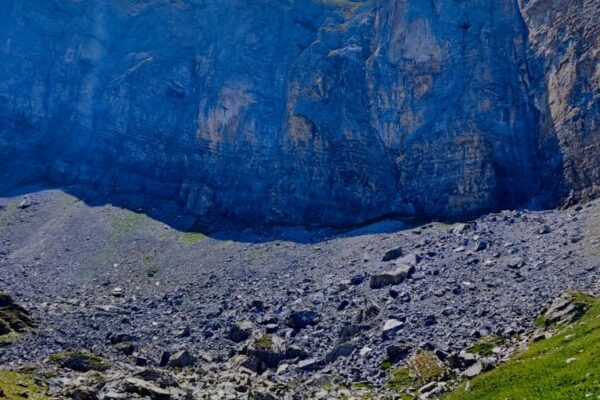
<point x="20" y="386"/>
<point x="486" y="344"/>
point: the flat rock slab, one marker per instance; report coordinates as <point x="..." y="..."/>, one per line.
<point x="390" y="278"/>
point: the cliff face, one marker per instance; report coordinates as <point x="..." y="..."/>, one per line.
<point x="303" y="111"/>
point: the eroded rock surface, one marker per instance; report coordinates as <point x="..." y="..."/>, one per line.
<point x="303" y="112"/>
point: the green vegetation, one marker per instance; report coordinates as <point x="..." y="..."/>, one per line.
<point x="564" y="367"/>
<point x="127" y="222"/>
<point x="385" y="366"/>
<point x="9" y="338"/>
<point x="7" y="212"/>
<point x="80" y="361"/>
<point x="20" y="386"/>
<point x="193" y="237"/>
<point x="540" y="322"/>
<point x="362" y="386"/>
<point x="14" y="320"/>
<point x="265" y="342"/>
<point x="486" y="344"/>
<point x="151" y="268"/>
<point x="422" y="368"/>
<point x="426" y="367"/>
<point x="399" y="379"/>
<point x="102" y="256"/>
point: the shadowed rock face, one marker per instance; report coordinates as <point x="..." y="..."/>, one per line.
<point x="315" y="112"/>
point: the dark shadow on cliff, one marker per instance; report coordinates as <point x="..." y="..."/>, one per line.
<point x="172" y="214"/>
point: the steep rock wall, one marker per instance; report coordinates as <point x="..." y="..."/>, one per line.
<point x="315" y="112"/>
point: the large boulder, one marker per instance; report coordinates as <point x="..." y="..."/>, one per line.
<point x="395" y="277"/>
<point x="567" y="308"/>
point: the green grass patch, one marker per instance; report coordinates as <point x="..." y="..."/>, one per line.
<point x="265" y="342"/>
<point x="422" y="368"/>
<point x="9" y="338"/>
<point x="362" y="386"/>
<point x="399" y="379"/>
<point x="539" y="322"/>
<point x="486" y="344"/>
<point x="192" y="237"/>
<point x="20" y="386"/>
<point x="151" y="268"/>
<point x="385" y="366"/>
<point x="564" y="367"/>
<point x="127" y="222"/>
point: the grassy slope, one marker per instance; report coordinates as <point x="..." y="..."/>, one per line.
<point x="20" y="386"/>
<point x="542" y="372"/>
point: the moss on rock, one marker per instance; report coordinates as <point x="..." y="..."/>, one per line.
<point x="14" y="320"/>
<point x="80" y="361"/>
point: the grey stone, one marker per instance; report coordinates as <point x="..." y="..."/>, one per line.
<point x="392" y="254"/>
<point x="302" y="319"/>
<point x="394" y="277"/>
<point x="181" y="359"/>
<point x="241" y="331"/>
<point x="341" y="350"/>
<point x="391" y="326"/>
<point x="311" y="364"/>
<point x="473" y="370"/>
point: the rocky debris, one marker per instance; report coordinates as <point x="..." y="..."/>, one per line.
<point x="268" y="349"/>
<point x="368" y="313"/>
<point x="311" y="364"/>
<point x="452" y="305"/>
<point x="514" y="262"/>
<point x="481" y="245"/>
<point x="341" y="350"/>
<point x="567" y="308"/>
<point x="26" y="203"/>
<point x="473" y="370"/>
<point x="391" y="326"/>
<point x="392" y="254"/>
<point x="544" y="229"/>
<point x="181" y="359"/>
<point x="144" y="388"/>
<point x="428" y="373"/>
<point x="241" y="331"/>
<point x="410" y="259"/>
<point x="302" y="319"/>
<point x="397" y="352"/>
<point x="394" y="277"/>
<point x="80" y="361"/>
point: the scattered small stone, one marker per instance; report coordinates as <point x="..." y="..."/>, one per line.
<point x="391" y="326"/>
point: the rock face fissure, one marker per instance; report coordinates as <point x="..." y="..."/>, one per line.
<point x="315" y="112"/>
